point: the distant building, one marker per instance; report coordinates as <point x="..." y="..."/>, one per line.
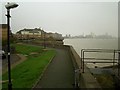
<point x="30" y="33"/>
<point x="68" y="36"/>
<point x="55" y="36"/>
<point x="37" y="33"/>
<point x="3" y="35"/>
<point x="3" y="30"/>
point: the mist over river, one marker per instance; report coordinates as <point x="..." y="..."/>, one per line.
<point x="79" y="44"/>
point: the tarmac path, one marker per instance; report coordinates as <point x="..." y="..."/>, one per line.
<point x="15" y="59"/>
<point x="60" y="72"/>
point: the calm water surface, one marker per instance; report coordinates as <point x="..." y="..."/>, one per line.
<point x="79" y="44"/>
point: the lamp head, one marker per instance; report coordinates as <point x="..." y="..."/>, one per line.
<point x="11" y="5"/>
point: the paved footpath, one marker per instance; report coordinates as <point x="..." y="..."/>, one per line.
<point x="60" y="72"/>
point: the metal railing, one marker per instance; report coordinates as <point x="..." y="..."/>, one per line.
<point x="100" y="60"/>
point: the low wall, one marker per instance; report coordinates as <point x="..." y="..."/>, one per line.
<point x="82" y="80"/>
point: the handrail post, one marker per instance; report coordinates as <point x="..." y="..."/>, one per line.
<point x="114" y="59"/>
<point x="81" y="57"/>
<point x="83" y="61"/>
<point x="118" y="63"/>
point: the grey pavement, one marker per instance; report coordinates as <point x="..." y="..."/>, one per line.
<point x="60" y="72"/>
<point x="14" y="58"/>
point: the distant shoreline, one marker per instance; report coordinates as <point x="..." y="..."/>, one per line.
<point x="91" y="38"/>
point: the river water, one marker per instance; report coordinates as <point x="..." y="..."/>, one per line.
<point x="79" y="44"/>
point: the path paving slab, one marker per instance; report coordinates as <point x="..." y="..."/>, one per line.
<point x="60" y="72"/>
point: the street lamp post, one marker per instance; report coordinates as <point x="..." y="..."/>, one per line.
<point x="43" y="36"/>
<point x="8" y="7"/>
<point x="44" y="41"/>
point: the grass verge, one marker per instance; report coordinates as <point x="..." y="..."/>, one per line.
<point x="26" y="73"/>
<point x="26" y="49"/>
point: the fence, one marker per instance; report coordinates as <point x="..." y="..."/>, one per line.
<point x="114" y="60"/>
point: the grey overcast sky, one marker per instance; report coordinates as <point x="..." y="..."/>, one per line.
<point x="73" y="18"/>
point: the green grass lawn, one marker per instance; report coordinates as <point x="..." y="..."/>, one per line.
<point x="26" y="73"/>
<point x="26" y="49"/>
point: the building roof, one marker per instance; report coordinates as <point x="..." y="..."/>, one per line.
<point x="35" y="30"/>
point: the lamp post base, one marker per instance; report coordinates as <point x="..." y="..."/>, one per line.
<point x="9" y="86"/>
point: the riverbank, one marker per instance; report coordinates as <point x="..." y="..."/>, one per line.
<point x="76" y="79"/>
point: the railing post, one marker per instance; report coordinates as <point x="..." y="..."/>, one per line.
<point x="114" y="59"/>
<point x="81" y="57"/>
<point x="119" y="64"/>
<point x="83" y="62"/>
<point x="77" y="71"/>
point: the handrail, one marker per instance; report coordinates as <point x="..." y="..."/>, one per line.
<point x="83" y="51"/>
<point x="99" y="59"/>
